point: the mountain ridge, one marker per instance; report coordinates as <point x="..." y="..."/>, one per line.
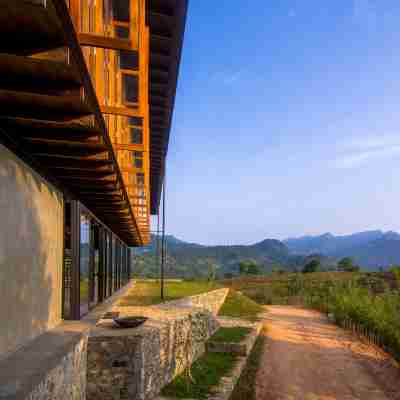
<point x="369" y="249"/>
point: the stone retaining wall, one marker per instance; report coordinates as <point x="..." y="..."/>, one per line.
<point x="82" y="359"/>
<point x="137" y="363"/>
<point x="211" y="301"/>
<point x="67" y="380"/>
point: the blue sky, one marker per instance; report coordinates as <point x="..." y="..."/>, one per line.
<point x="286" y="120"/>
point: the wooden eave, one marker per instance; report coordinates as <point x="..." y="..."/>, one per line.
<point x="166" y="20"/>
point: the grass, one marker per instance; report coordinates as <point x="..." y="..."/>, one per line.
<point x="145" y="293"/>
<point x="245" y="388"/>
<point x="230" y="335"/>
<point x="84" y="290"/>
<point x="239" y="306"/>
<point x="206" y="372"/>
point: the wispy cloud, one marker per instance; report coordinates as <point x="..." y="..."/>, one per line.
<point x="227" y="78"/>
<point x="232" y="78"/>
<point x="358" y="152"/>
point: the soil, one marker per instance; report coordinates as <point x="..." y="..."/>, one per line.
<point x="308" y="358"/>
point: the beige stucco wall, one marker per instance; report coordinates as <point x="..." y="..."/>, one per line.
<point x="31" y="245"/>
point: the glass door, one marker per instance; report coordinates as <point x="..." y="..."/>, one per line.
<point x="94" y="274"/>
<point x="84" y="264"/>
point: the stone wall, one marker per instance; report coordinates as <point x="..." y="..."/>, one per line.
<point x="137" y="363"/>
<point x="211" y="301"/>
<point x="52" y="366"/>
<point x="113" y="364"/>
<point x="67" y="380"/>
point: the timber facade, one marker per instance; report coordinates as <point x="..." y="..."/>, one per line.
<point x="87" y="91"/>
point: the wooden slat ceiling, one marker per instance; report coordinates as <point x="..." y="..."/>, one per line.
<point x="166" y="19"/>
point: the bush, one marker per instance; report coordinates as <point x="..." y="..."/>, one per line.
<point x="312" y="266"/>
<point x="378" y="314"/>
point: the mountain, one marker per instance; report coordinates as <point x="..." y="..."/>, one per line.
<point x="194" y="260"/>
<point x="330" y="244"/>
<point x="369" y="249"/>
<point x="381" y="252"/>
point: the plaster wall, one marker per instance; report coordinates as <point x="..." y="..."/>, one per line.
<point x="31" y="253"/>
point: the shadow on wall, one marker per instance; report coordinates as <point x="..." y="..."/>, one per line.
<point x="30" y="253"/>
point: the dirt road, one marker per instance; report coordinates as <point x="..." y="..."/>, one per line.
<point x="307" y="358"/>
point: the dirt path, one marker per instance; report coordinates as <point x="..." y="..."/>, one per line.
<point x="307" y="358"/>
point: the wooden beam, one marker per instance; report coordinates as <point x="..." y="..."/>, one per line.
<point x="49" y="130"/>
<point x="91" y="186"/>
<point x="63" y="162"/>
<point x="130" y="147"/>
<point x="28" y="28"/>
<point x="63" y="148"/>
<point x="124" y="111"/>
<point x="86" y="39"/>
<point x="88" y="175"/>
<point x="40" y="106"/>
<point x="36" y="75"/>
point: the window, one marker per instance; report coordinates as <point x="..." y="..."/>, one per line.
<point x="121" y="10"/>
<point x="114" y="263"/>
<point x="136" y="136"/>
<point x="135" y="121"/>
<point x="94" y="261"/>
<point x="67" y="272"/>
<point x="128" y="60"/>
<point x="130" y="86"/>
<point x="137" y="159"/>
<point x="122" y="32"/>
<point x="140" y="179"/>
<point x="84" y="263"/>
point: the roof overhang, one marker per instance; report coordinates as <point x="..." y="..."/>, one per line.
<point x="166" y="20"/>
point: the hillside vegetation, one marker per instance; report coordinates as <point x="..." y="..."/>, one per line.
<point x="370" y="250"/>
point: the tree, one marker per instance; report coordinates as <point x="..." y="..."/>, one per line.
<point x="249" y="267"/>
<point x="346" y="264"/>
<point x="212" y="272"/>
<point x="276" y="268"/>
<point x="312" y="266"/>
<point x="395" y="270"/>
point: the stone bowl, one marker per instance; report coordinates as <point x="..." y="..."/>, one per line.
<point x="129" y="322"/>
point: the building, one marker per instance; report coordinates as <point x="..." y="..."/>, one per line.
<point x="87" y="93"/>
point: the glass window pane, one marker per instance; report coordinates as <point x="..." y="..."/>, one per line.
<point x="137" y="159"/>
<point x="131" y="88"/>
<point x="128" y="60"/>
<point x="84" y="264"/>
<point x="136" y="121"/>
<point x="136" y="136"/>
<point x="140" y="179"/>
<point x="114" y="262"/>
<point x="121" y="10"/>
<point x="122" y="32"/>
<point x="109" y="263"/>
<point x="67" y="273"/>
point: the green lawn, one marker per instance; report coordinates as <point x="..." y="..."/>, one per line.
<point x="206" y="372"/>
<point x="146" y="293"/>
<point x="230" y="335"/>
<point x="239" y="306"/>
